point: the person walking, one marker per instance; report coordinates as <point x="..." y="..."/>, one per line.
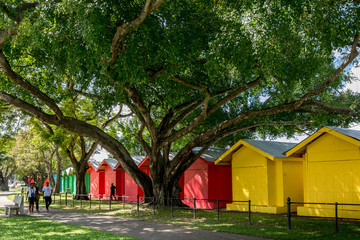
<point x="112" y="191"/>
<point x="47" y="192"/>
<point x="37" y="197"/>
<point x="31" y="197"/>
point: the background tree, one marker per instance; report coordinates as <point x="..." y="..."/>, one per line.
<point x="11" y="121"/>
<point x="27" y="156"/>
<point x="7" y="169"/>
<point x="192" y="72"/>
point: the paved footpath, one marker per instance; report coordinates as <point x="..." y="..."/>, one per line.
<point x="129" y="227"/>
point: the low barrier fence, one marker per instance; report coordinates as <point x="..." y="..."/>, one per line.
<point x="105" y="202"/>
<point x="336" y="210"/>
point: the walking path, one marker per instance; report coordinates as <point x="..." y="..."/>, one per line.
<point x="129" y="227"/>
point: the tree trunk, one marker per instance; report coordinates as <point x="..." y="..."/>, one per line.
<point x="4" y="186"/>
<point x="3" y="182"/>
<point x="81" y="192"/>
<point x="58" y="171"/>
<point x="166" y="187"/>
<point x="50" y="176"/>
<point x="58" y="178"/>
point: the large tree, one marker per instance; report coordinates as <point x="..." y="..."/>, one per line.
<point x="192" y="72"/>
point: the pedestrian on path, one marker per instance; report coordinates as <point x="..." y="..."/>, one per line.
<point x="37" y="197"/>
<point x="31" y="196"/>
<point x="112" y="191"/>
<point x="47" y="192"/>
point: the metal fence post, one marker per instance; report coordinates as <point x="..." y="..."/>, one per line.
<point x="81" y="201"/>
<point x="137" y="203"/>
<point x="60" y="199"/>
<point x="65" y="198"/>
<point x="218" y="209"/>
<point x="194" y="208"/>
<point x="249" y="212"/>
<point x="289" y="212"/>
<point x="73" y="200"/>
<point x="171" y="206"/>
<point x="110" y="203"/>
<point x="154" y="204"/>
<point x="336" y="218"/>
<point x="123" y="200"/>
<point x="99" y="202"/>
<point x="90" y="200"/>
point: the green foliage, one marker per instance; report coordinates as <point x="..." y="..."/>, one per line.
<point x="293" y="46"/>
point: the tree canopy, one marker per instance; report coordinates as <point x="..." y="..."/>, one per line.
<point x="193" y="73"/>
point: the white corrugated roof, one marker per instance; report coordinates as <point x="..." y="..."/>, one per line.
<point x="348" y="132"/>
<point x="112" y="162"/>
<point x="211" y="154"/>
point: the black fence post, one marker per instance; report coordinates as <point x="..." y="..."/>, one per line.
<point x="123" y="200"/>
<point x="110" y="203"/>
<point x="154" y="204"/>
<point x="218" y="209"/>
<point x="289" y="212"/>
<point x="249" y="212"/>
<point x="90" y="200"/>
<point x="99" y="202"/>
<point x="73" y="200"/>
<point x="171" y="206"/>
<point x="60" y="199"/>
<point x="194" y="208"/>
<point x="65" y="198"/>
<point x="137" y="203"/>
<point x="336" y="218"/>
<point x="81" y="200"/>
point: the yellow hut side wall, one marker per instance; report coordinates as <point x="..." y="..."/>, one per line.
<point x="249" y="177"/>
<point x="331" y="169"/>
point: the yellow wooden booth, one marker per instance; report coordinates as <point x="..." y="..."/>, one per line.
<point x="263" y="174"/>
<point x="331" y="172"/>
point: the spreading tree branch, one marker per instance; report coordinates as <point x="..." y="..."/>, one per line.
<point x="18" y="80"/>
<point x="123" y="29"/>
<point x="353" y="54"/>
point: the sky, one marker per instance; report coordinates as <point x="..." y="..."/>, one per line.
<point x="354" y="86"/>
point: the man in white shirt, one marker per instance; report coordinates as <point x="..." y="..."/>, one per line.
<point x="47" y="192"/>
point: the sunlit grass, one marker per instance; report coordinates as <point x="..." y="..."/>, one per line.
<point x="26" y="227"/>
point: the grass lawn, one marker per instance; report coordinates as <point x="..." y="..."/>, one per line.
<point x="263" y="225"/>
<point x="26" y="227"/>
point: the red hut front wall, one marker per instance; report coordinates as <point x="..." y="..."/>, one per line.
<point x="94" y="181"/>
<point x="115" y="176"/>
<point x="102" y="182"/>
<point x="204" y="180"/>
<point x="131" y="188"/>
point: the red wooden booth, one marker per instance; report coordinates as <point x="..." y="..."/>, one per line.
<point x="113" y="174"/>
<point x="97" y="178"/>
<point x="131" y="188"/>
<point x="205" y="180"/>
